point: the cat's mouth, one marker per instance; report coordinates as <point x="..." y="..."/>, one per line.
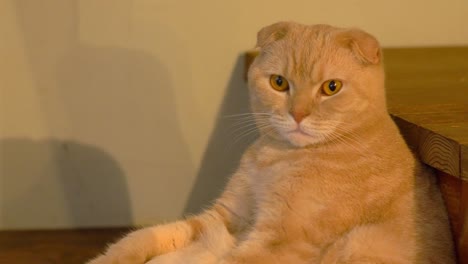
<point x="298" y="131"/>
<point x="300" y="138"/>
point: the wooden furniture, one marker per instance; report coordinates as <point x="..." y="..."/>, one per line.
<point x="55" y="246"/>
<point x="427" y="93"/>
<point x="428" y="98"/>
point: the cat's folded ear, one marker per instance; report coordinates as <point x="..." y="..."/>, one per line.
<point x="272" y="33"/>
<point x="364" y="46"/>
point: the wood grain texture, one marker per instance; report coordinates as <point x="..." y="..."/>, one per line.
<point x="464" y="162"/>
<point x="55" y="246"/>
<point x="428" y="87"/>
<point x="451" y="189"/>
<point x="432" y="148"/>
<point x="455" y="193"/>
<point x="463" y="235"/>
<point x="426" y="76"/>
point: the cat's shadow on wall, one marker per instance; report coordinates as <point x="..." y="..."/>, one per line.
<point x="94" y="190"/>
<point x="227" y="143"/>
<point x="102" y="105"/>
<point x="89" y="81"/>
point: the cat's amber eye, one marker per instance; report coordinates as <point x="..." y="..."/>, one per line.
<point x="279" y="83"/>
<point x="331" y="87"/>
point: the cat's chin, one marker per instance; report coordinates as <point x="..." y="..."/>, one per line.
<point x="300" y="140"/>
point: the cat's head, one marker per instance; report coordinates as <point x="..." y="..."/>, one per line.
<point x="313" y="84"/>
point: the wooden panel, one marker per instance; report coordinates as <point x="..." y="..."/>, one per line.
<point x="434" y="149"/>
<point x="451" y="191"/>
<point x="426" y="76"/>
<point x="455" y="193"/>
<point x="428" y="87"/>
<point x="55" y="246"/>
<point x="463" y="236"/>
<point x="464" y="162"/>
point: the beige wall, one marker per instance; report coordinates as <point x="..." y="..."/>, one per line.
<point x="111" y="110"/>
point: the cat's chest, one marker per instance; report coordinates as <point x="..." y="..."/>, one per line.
<point x="298" y="176"/>
<point x="272" y="168"/>
<point x="279" y="176"/>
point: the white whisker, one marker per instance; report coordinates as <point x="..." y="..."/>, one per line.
<point x="247" y="115"/>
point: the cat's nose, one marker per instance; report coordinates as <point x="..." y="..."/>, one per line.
<point x="298" y="115"/>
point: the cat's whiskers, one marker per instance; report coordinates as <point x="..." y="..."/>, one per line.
<point x="350" y="144"/>
<point x="246" y="120"/>
<point x="245" y="130"/>
<point x="249" y="118"/>
<point x="350" y="134"/>
<point x="335" y="137"/>
<point x="339" y="125"/>
<point x="334" y="131"/>
<point x="248" y="124"/>
<point x="250" y="131"/>
<point x="241" y="124"/>
<point x="241" y="129"/>
<point x="247" y="114"/>
<point x="268" y="132"/>
<point x="281" y="123"/>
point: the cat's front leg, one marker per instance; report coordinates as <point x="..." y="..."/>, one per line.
<point x="261" y="251"/>
<point x="208" y="249"/>
<point x="229" y="212"/>
<point x="264" y="257"/>
<point x="141" y="245"/>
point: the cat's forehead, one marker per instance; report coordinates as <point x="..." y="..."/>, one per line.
<point x="310" y="33"/>
<point x="304" y="51"/>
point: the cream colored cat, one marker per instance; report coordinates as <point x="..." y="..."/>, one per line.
<point x="330" y="180"/>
